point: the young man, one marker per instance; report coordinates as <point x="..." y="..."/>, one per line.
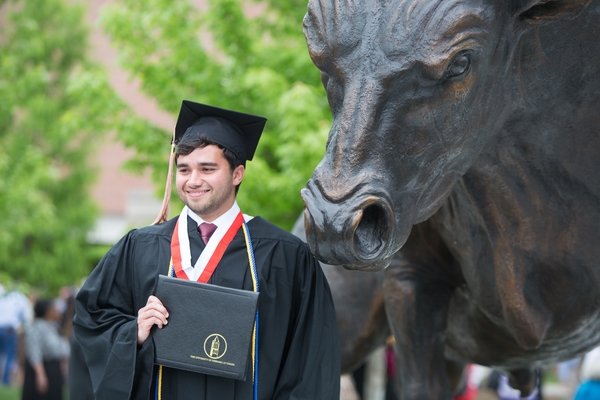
<point x="298" y="348"/>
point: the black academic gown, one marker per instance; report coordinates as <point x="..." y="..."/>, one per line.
<point x="298" y="338"/>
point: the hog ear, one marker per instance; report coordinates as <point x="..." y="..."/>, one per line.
<point x="541" y="12"/>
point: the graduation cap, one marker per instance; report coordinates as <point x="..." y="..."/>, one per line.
<point x="233" y="130"/>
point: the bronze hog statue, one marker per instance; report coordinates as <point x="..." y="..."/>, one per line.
<point x="465" y="152"/>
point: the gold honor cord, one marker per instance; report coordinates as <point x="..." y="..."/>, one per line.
<point x="254" y="274"/>
<point x="255" y="287"/>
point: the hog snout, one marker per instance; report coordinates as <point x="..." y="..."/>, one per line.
<point x="355" y="232"/>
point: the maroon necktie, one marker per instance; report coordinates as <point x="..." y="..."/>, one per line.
<point x="206" y="230"/>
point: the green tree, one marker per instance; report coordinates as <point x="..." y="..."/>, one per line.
<point x="54" y="105"/>
<point x="223" y="57"/>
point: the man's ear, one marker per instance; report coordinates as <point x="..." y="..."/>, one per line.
<point x="541" y="12"/>
<point x="238" y="174"/>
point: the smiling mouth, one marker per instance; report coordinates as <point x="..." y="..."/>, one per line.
<point x="197" y="193"/>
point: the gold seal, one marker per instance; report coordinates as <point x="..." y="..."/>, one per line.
<point x="215" y="346"/>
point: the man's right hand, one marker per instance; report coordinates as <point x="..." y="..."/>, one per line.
<point x="153" y="313"/>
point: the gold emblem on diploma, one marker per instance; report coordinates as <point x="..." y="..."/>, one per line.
<point x="215" y="346"/>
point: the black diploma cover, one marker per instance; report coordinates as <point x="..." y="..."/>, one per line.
<point x="209" y="330"/>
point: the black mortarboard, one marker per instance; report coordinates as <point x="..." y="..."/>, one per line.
<point x="233" y="130"/>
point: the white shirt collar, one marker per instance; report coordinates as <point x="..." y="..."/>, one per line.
<point x="225" y="219"/>
<point x="223" y="223"/>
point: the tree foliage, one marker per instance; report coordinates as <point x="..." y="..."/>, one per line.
<point x="54" y="106"/>
<point x="221" y="56"/>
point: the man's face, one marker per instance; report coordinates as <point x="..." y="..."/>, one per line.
<point x="205" y="182"/>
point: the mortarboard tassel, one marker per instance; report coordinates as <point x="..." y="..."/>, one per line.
<point x="163" y="215"/>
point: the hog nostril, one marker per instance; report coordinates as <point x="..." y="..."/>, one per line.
<point x="372" y="231"/>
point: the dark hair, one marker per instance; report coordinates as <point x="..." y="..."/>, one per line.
<point x="42" y="306"/>
<point x="183" y="149"/>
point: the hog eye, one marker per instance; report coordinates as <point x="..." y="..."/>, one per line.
<point x="459" y="65"/>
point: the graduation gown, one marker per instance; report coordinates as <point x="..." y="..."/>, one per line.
<point x="298" y="338"/>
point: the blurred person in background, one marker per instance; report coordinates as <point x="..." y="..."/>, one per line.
<point x="568" y="375"/>
<point x="45" y="350"/>
<point x="590" y="377"/>
<point x="15" y="310"/>
<point x="78" y="374"/>
<point x="499" y="383"/>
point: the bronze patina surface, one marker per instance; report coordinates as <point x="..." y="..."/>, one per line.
<point x="465" y="155"/>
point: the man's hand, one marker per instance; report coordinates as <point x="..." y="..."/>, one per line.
<point x="153" y="313"/>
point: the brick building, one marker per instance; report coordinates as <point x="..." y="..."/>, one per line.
<point x="126" y="200"/>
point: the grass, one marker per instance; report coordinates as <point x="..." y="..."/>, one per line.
<point x="14" y="393"/>
<point x="10" y="392"/>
